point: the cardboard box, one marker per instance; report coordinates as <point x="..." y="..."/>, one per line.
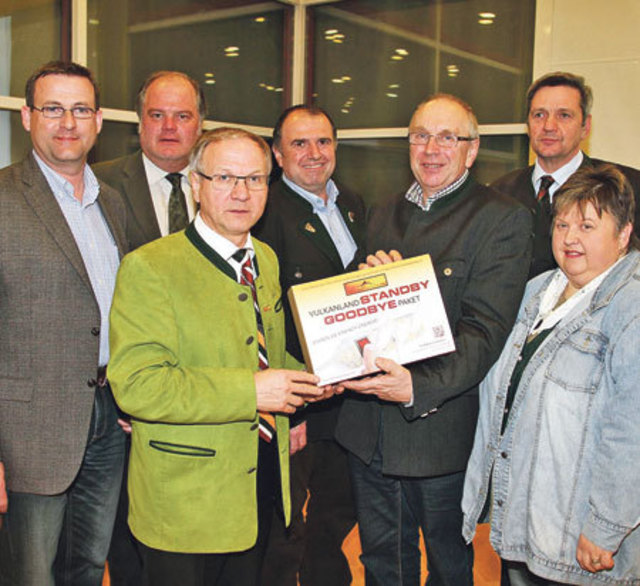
<point x="345" y="322"/>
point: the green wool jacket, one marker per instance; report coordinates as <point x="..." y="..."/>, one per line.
<point x="183" y="356"/>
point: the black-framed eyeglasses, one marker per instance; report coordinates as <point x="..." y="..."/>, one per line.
<point x="447" y="141"/>
<point x="79" y="112"/>
<point x="226" y="181"/>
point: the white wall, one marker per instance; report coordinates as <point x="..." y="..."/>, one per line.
<point x="601" y="41"/>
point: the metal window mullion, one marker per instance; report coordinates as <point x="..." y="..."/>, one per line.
<point x="298" y="68"/>
<point x="79" y="26"/>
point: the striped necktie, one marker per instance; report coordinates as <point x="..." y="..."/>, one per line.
<point x="267" y="421"/>
<point x="544" y="200"/>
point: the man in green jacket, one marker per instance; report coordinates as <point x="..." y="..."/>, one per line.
<point x="199" y="361"/>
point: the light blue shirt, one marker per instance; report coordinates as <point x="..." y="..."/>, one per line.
<point x="93" y="238"/>
<point x="559" y="176"/>
<point x="331" y="218"/>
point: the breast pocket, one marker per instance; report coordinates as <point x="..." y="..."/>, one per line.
<point x="578" y="363"/>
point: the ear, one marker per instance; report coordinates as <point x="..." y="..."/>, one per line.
<point x="99" y="120"/>
<point x="196" y="182"/>
<point x="624" y="236"/>
<point x="586" y="127"/>
<point x="472" y="152"/>
<point x="277" y="154"/>
<point x="25" y="114"/>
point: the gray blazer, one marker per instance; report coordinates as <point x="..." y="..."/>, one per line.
<point x="127" y="176"/>
<point x="49" y="332"/>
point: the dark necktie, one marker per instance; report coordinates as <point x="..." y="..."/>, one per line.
<point x="267" y="420"/>
<point x="178" y="216"/>
<point x="543" y="194"/>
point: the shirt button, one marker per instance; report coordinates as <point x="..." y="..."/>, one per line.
<point x="95" y="331"/>
<point x="504" y="455"/>
<point x="249" y="340"/>
<point x="243" y="297"/>
<point x="499" y="502"/>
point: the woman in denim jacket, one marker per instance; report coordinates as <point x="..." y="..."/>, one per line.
<point x="556" y="459"/>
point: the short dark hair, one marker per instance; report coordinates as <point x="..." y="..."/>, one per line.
<point x="142" y="92"/>
<point x="60" y="68"/>
<point x="311" y="110"/>
<point x="606" y="188"/>
<point x="563" y="78"/>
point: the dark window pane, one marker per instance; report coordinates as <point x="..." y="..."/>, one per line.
<point x="375" y="60"/>
<point x="20" y="25"/>
<point x="233" y="49"/>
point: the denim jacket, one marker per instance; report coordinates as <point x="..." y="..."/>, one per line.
<point x="569" y="459"/>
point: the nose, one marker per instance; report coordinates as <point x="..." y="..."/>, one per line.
<point x="431" y="146"/>
<point x="550" y="123"/>
<point x="240" y="190"/>
<point x="169" y="123"/>
<point x="314" y="151"/>
<point x="68" y="120"/>
<point x="571" y="234"/>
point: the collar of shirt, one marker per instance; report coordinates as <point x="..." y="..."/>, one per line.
<point x="316" y="202"/>
<point x="160" y="189"/>
<point x="416" y="195"/>
<point x="550" y="313"/>
<point x="224" y="247"/>
<point x="63" y="189"/>
<point x="559" y="176"/>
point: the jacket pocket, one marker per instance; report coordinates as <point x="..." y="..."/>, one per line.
<point x="182" y="449"/>
<point x="578" y="363"/>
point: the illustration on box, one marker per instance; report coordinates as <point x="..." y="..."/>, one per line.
<point x="394" y="311"/>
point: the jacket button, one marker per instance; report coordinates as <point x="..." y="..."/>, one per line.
<point x="504" y="455"/>
<point x="249" y="340"/>
<point x="254" y="427"/>
<point x="95" y="331"/>
<point x="92" y="382"/>
<point x="499" y="502"/>
<point x="243" y="297"/>
<point x="251" y="470"/>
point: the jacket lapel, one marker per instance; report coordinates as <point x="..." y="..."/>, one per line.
<point x="313" y="229"/>
<point x="106" y="203"/>
<point x="354" y="224"/>
<point x="137" y="192"/>
<point x="39" y="196"/>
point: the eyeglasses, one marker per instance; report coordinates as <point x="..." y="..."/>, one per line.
<point x="79" y="112"/>
<point x="226" y="182"/>
<point x="446" y="141"/>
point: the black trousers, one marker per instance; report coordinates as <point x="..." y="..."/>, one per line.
<point x="165" y="568"/>
<point x="311" y="549"/>
<point x="125" y="562"/>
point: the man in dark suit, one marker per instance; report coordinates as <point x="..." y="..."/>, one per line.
<point x="171" y="108"/>
<point x="558" y="119"/>
<point x="316" y="228"/>
<point x="61" y="239"/>
<point x="409" y="430"/>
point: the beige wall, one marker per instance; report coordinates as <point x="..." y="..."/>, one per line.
<point x="599" y="40"/>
